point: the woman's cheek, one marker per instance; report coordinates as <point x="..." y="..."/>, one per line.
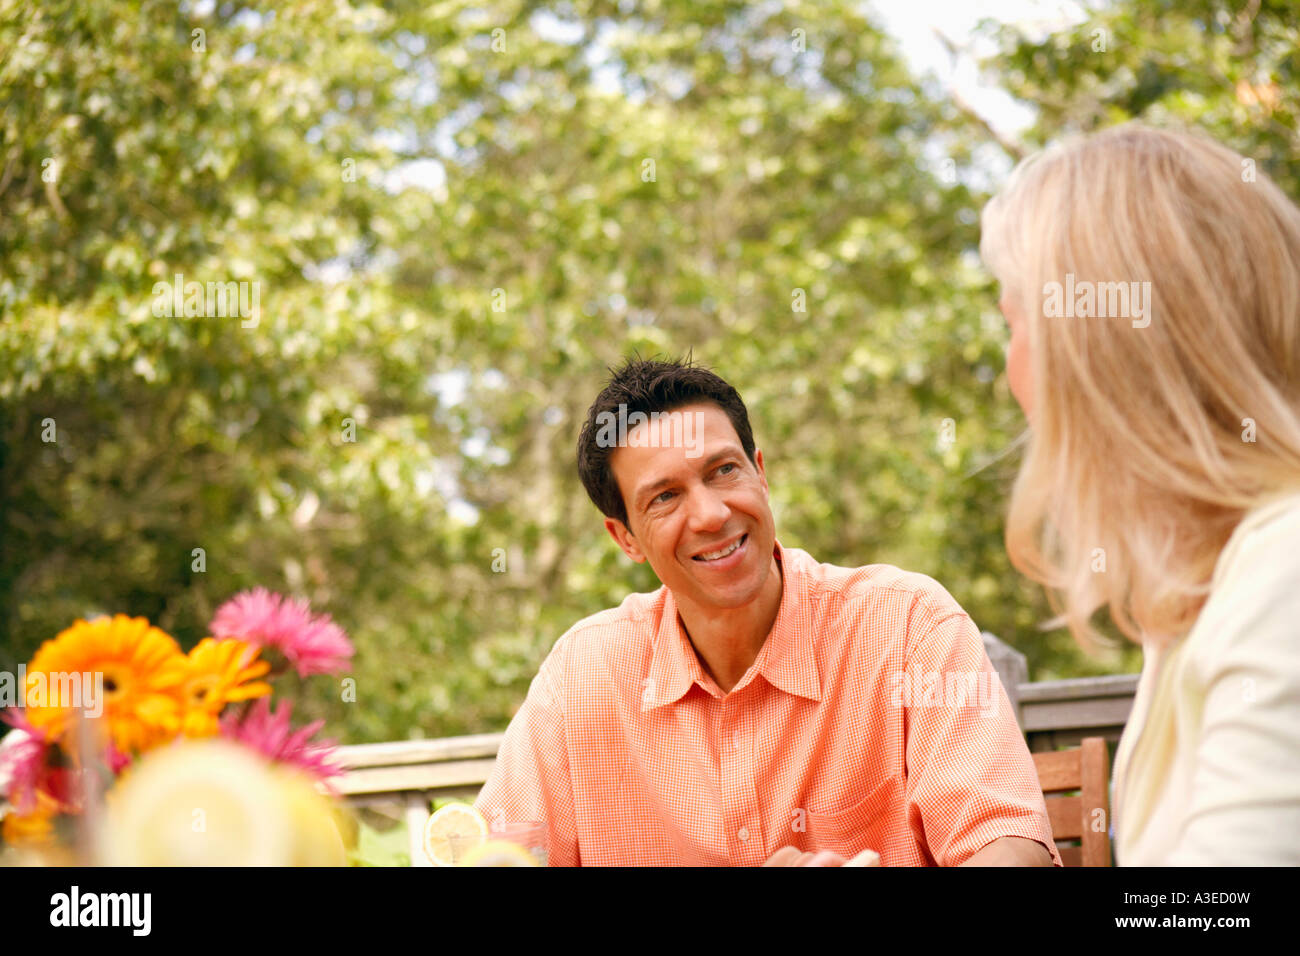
<point x="1019" y="369"/>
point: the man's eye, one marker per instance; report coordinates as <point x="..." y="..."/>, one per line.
<point x="661" y="497"/>
<point x="723" y="471"/>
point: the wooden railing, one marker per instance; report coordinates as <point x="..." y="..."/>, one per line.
<point x="1060" y="713"/>
<point x="401" y="778"/>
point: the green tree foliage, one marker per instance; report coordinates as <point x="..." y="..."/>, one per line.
<point x="1230" y="69"/>
<point x="458" y="216"/>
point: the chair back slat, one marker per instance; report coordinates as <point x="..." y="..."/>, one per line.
<point x="1071" y="855"/>
<point x="1076" y="791"/>
<point x="1066" y="814"/>
<point x="1059" y="770"/>
<point x="1095" y="790"/>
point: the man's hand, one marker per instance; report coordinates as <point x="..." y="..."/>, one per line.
<point x="789" y="856"/>
<point x="1011" y="851"/>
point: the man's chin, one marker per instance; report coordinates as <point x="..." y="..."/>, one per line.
<point x="745" y="588"/>
<point x="726" y="601"/>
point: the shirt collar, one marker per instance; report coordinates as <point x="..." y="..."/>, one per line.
<point x="786" y="661"/>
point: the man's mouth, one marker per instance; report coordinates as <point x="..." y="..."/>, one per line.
<point x="722" y="552"/>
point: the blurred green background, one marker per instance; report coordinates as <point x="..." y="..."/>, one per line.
<point x="458" y="216"/>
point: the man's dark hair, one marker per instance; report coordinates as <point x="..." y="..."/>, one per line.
<point x="647" y="386"/>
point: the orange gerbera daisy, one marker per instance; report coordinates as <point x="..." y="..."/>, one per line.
<point x="219" y="673"/>
<point x="140" y="680"/>
<point x="35" y="828"/>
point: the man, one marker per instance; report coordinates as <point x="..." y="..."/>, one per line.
<point x="760" y="707"/>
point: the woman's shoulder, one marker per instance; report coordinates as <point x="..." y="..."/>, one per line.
<point x="1267" y="537"/>
<point x="1255" y="592"/>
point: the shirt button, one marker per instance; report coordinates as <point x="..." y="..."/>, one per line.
<point x="742" y="834"/>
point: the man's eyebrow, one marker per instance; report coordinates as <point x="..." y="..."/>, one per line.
<point x="650" y="490"/>
<point x="731" y="451"/>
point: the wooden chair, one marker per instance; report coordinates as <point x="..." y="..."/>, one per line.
<point x="1085" y="769"/>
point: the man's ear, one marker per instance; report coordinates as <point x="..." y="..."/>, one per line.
<point x="758" y="463"/>
<point x="624" y="538"/>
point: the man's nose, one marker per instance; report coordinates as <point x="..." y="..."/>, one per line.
<point x="708" y="512"/>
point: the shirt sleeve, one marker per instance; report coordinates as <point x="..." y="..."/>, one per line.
<point x="1245" y="785"/>
<point x="530" y="779"/>
<point x="970" y="778"/>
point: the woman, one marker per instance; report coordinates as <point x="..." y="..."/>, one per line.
<point x="1151" y="280"/>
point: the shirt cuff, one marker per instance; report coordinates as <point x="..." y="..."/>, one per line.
<point x="1036" y="828"/>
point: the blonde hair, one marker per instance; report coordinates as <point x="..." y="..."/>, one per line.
<point x="1139" y="441"/>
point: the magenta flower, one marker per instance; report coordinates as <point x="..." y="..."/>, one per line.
<point x="22" y="759"/>
<point x="269" y="734"/>
<point x="116" y="760"/>
<point x="313" y="644"/>
<point x="24" y="768"/>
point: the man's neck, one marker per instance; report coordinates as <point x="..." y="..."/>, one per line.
<point x="727" y="642"/>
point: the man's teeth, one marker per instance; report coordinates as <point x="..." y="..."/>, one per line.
<point x="713" y="556"/>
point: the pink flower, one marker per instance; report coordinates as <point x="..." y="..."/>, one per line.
<point x="268" y="733"/>
<point x="116" y="760"/>
<point x="25" y="769"/>
<point x="22" y="759"/>
<point x="312" y="644"/>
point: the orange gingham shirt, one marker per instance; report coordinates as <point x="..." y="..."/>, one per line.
<point x="633" y="755"/>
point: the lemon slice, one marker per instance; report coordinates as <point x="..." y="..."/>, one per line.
<point x="199" y="803"/>
<point x="498" y="853"/>
<point x="452" y="832"/>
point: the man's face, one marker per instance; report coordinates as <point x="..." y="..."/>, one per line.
<point x="685" y="505"/>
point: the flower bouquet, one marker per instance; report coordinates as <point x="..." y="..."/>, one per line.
<point x="125" y="750"/>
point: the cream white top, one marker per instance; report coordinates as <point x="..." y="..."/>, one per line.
<point x="1208" y="770"/>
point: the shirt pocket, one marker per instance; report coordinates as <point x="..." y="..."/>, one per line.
<point x="864" y="825"/>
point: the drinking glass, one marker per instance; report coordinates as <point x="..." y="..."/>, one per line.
<point x="532" y="835"/>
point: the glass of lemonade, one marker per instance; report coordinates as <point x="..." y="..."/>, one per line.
<point x="532" y="835"/>
<point x="461" y="844"/>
